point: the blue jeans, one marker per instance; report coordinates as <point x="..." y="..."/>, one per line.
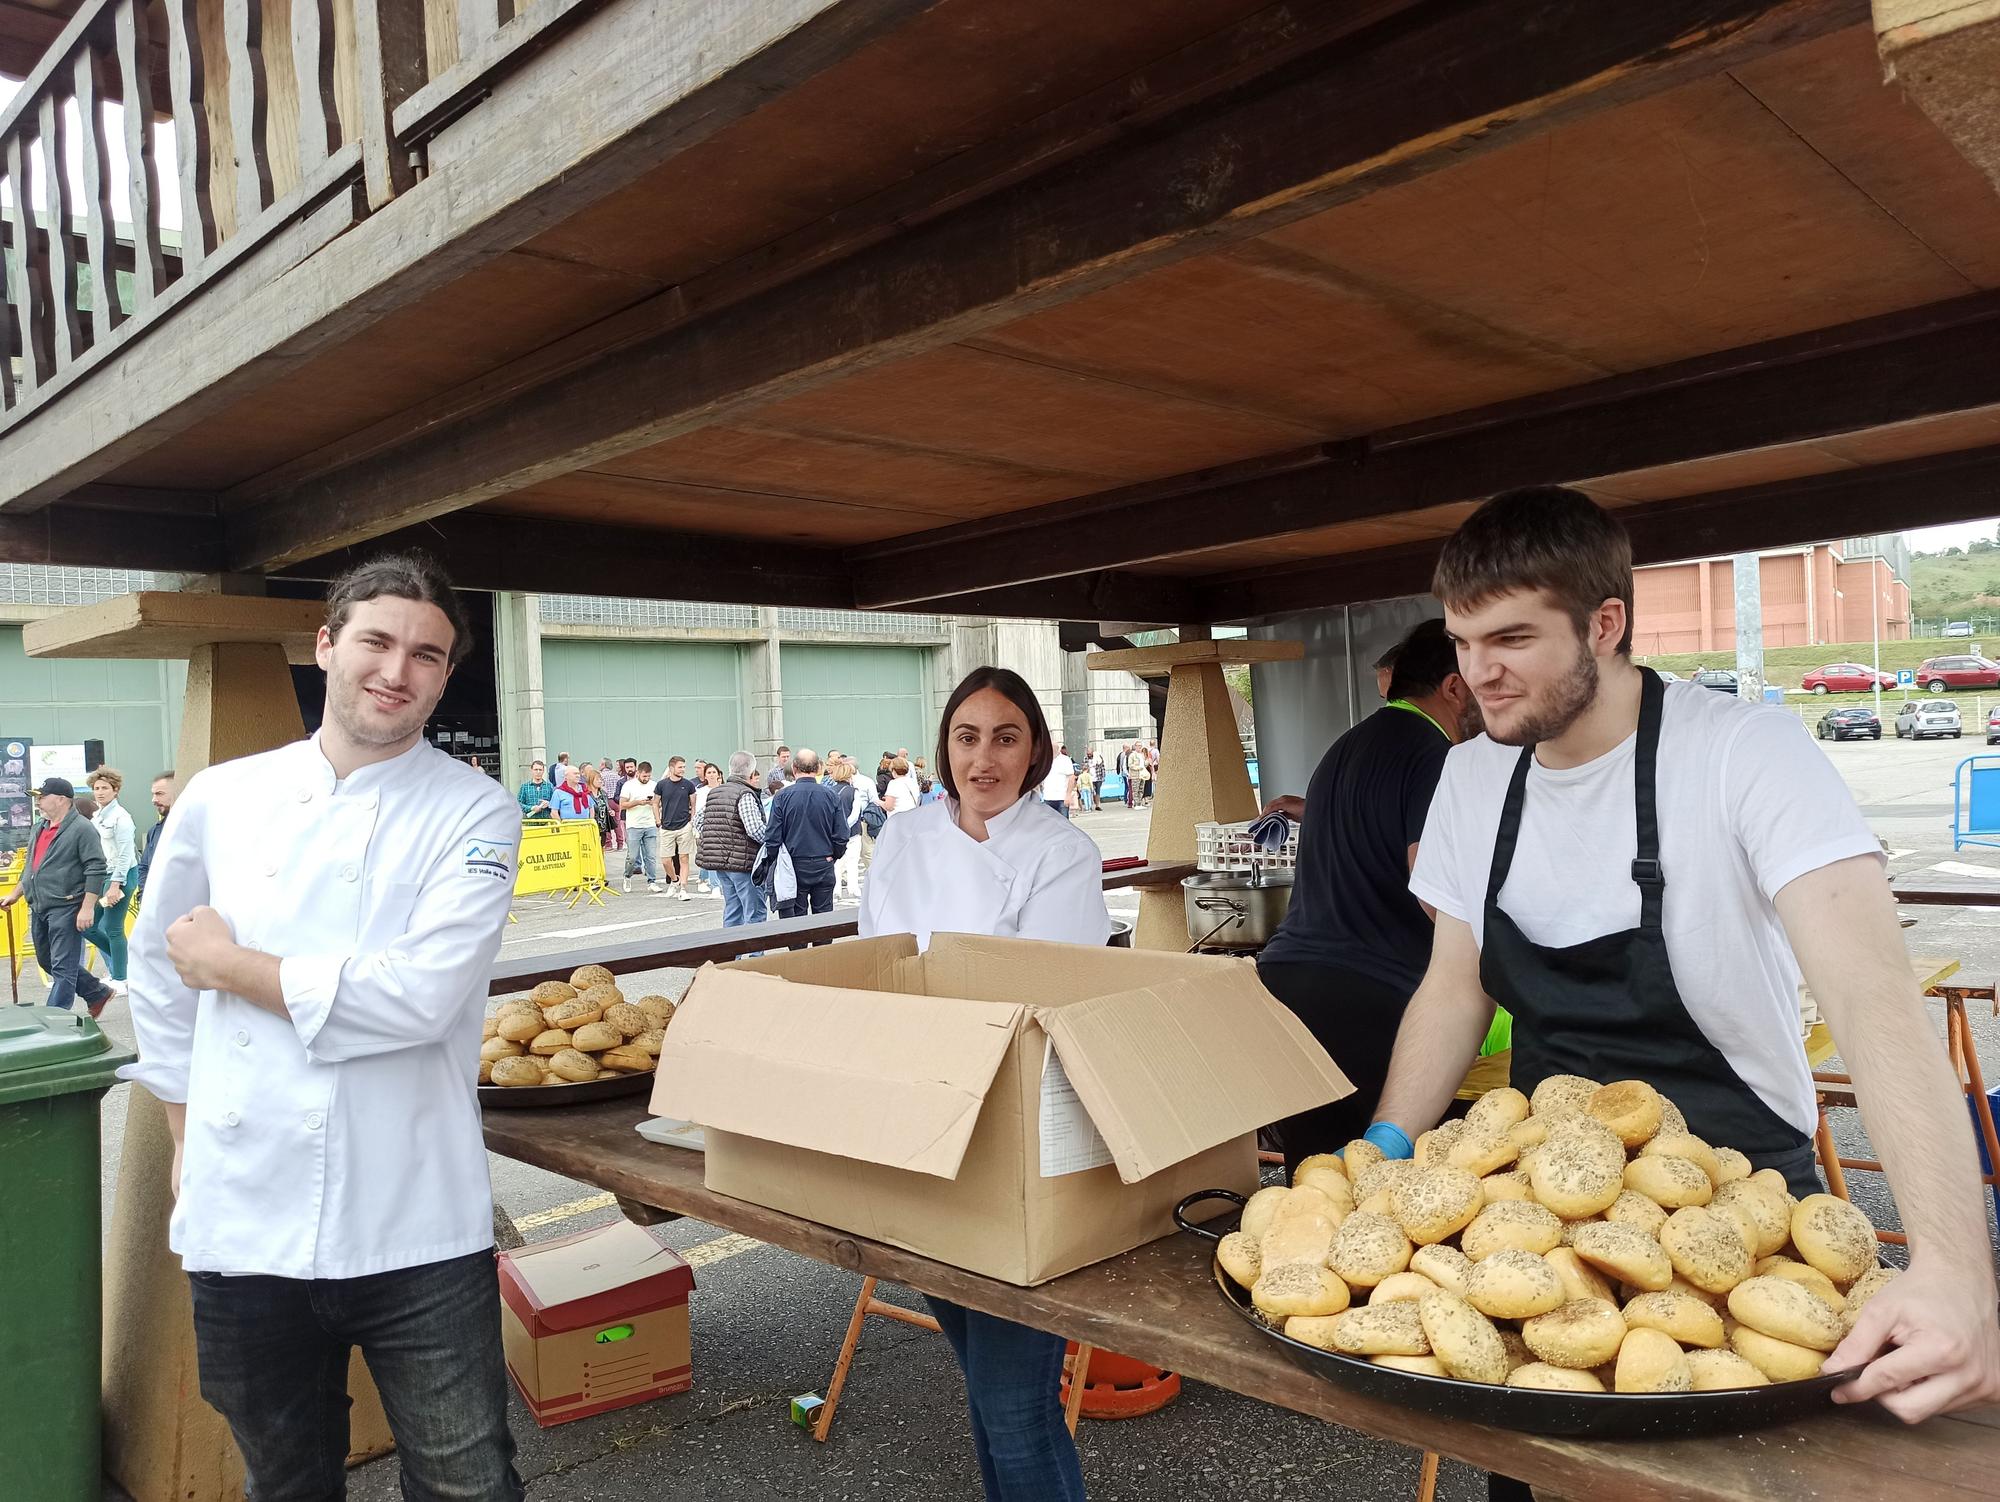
<point x="742" y="903"/>
<point x="59" y="950"/>
<point x="1013" y="1387"/>
<point x="273" y="1354"/>
<point x="1060" y="805"/>
<point x="642" y="852"/>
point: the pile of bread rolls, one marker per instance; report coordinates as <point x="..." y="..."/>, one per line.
<point x="572" y="1033"/>
<point x="1583" y="1241"/>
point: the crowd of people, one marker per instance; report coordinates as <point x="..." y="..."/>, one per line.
<point x="761" y="862"/>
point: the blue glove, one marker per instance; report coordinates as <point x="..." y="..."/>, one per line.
<point x="1389" y="1137"/>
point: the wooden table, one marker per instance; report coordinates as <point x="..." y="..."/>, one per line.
<point x="1158" y="1304"/>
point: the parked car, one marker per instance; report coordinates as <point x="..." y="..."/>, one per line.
<point x="1940" y="673"/>
<point x="1845" y="678"/>
<point x="1719" y="679"/>
<point x="1667" y="676"/>
<point x="1958" y="628"/>
<point x="1850" y="722"/>
<point x="1922" y="717"/>
<point x="1993" y="727"/>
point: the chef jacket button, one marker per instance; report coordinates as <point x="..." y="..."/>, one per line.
<point x="313" y="1120"/>
<point x="270" y="868"/>
<point x="230" y="1118"/>
<point x="242" y="1038"/>
<point x="305" y="795"/>
<point x="348" y="873"/>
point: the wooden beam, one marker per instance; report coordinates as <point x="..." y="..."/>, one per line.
<point x="1192" y="652"/>
<point x="1923" y="363"/>
<point x="492" y="550"/>
<point x="1420" y="92"/>
<point x="1108" y="596"/>
<point x="89" y="537"/>
<point x="629" y="87"/>
<point x="1789" y="513"/>
<point x="154" y="623"/>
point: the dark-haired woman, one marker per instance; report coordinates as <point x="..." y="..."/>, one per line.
<point x="992" y="858"/>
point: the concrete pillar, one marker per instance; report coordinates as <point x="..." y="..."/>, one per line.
<point x="1945" y="54"/>
<point x="764" y="689"/>
<point x="1077" y="691"/>
<point x="1707" y="607"/>
<point x="517" y="661"/>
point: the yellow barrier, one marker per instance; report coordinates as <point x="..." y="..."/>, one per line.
<point x="563" y="857"/>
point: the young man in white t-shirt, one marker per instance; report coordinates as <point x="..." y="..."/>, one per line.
<point x="639" y="801"/>
<point x="1631" y="868"/>
<point x="1060" y="783"/>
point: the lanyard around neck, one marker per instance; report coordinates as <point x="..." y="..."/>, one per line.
<point x="1406" y="704"/>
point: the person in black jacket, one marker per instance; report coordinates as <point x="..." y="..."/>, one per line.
<point x="806" y="820"/>
<point x="62" y="882"/>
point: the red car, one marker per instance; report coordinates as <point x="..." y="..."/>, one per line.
<point x="1845" y="678"/>
<point x="1941" y="673"/>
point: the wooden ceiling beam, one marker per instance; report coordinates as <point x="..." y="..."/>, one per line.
<point x="1927" y="362"/>
<point x="1925" y="492"/>
<point x="76" y="533"/>
<point x="1419" y="92"/>
<point x="496" y="550"/>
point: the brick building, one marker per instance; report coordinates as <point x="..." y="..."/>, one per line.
<point x="1813" y="596"/>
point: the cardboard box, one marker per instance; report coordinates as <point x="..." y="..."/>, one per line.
<point x="595" y="1321"/>
<point x="1018" y="1109"/>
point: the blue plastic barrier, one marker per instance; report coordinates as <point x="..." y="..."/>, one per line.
<point x="1975" y="802"/>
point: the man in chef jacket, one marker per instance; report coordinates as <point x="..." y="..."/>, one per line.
<point x="308" y="979"/>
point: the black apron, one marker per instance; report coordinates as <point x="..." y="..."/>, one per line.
<point x="1608" y="1008"/>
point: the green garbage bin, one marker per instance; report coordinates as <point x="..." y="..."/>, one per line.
<point x="54" y="1068"/>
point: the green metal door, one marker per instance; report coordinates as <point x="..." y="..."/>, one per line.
<point x="650" y="700"/>
<point x="861" y="700"/>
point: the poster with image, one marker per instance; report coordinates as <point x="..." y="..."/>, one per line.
<point x="17" y="800"/>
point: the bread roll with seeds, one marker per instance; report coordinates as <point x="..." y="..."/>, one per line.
<point x="1578" y="1173"/>
<point x="1530" y="1133"/>
<point x="1687" y="1319"/>
<point x="1382" y="1330"/>
<point x="628" y="1019"/>
<point x="595" y="1037"/>
<point x="489" y="1029"/>
<point x="1430" y="1148"/>
<point x="660" y="1009"/>
<point x="1635" y="1209"/>
<point x="1298" y="1288"/>
<point x="1809" y="1278"/>
<point x="1779" y="1360"/>
<point x="549" y="1042"/>
<point x="1367" y="1249"/>
<point x="1386" y="1175"/>
<point x="1497" y="1110"/>
<point x="1359" y="1154"/>
<point x="1481" y="1153"/>
<point x="586" y="976"/>
<point x="652" y="1041"/>
<point x="1717" y="1371"/>
<point x="1863" y="1289"/>
<point x="1705" y="1249"/>
<point x="1786" y="1311"/>
<point x="1649" y="1361"/>
<point x="1513" y="1284"/>
<point x="1770" y="1211"/>
<point x="1240" y="1257"/>
<point x="1631" y="1108"/>
<point x="1579" y="1335"/>
<point x="549" y="992"/>
<point x="1463" y="1339"/>
<point x="1685" y="1145"/>
<point x="1669" y="1182"/>
<point x="1258" y="1210"/>
<point x="1834" y="1236"/>
<point x="1434" y="1203"/>
<point x="522" y="1069"/>
<point x="1509" y="1184"/>
<point x="1521" y="1224"/>
<point x="1543" y="1377"/>
<point x="1626" y="1253"/>
<point x="521" y="1027"/>
<point x="1562" y="1095"/>
<point x="574" y="1066"/>
<point x="1446" y="1266"/>
<point x="1731" y="1166"/>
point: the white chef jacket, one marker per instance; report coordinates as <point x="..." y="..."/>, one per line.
<point x="1035" y="876"/>
<point x="345" y="1140"/>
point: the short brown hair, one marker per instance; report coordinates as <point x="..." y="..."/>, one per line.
<point x="402" y="576"/>
<point x="1012" y="687"/>
<point x="1545" y="537"/>
<point x="111" y="775"/>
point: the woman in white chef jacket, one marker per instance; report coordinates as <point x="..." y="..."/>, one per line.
<point x="992" y="858"/>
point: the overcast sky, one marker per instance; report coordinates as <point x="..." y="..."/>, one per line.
<point x="1937" y="539"/>
<point x="114" y="130"/>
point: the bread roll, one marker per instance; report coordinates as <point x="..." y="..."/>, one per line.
<point x="521" y="1027"/>
<point x="549" y="992"/>
<point x="1669" y="1182"/>
<point x="489" y="1029"/>
<point x="574" y="1066"/>
<point x="1834" y="1236"/>
<point x="1809" y="1278"/>
<point x="1258" y="1209"/>
<point x="1426" y="1366"/>
<point x="1359" y="1154"/>
<point x="1297" y="1233"/>
<point x="652" y="1041"/>
<point x="1519" y="1224"/>
<point x="1385" y="1175"/>
<point x="485" y="1072"/>
<point x="1481" y="1153"/>
<point x="1636" y="1209"/>
<point x="628" y="1019"/>
<point x="1863" y="1289"/>
<point x="1578" y="1335"/>
<point x="1445" y="1266"/>
<point x="495" y="1049"/>
<point x="1241" y="1257"/>
<point x="1513" y="1284"/>
<point x="1539" y="1374"/>
<point x="573" y="1013"/>
<point x="1366" y="1250"/>
<point x="627" y="1059"/>
<point x="1509" y="1184"/>
<point x="1705" y="1249"/>
<point x="1301" y="1199"/>
<point x="1671" y="1121"/>
<point x="659" y="1008"/>
<point x="1434" y="1203"/>
<point x="595" y="1037"/>
<point x="1463" y="1338"/>
<point x="1298" y="1288"/>
<point x="1497" y="1110"/>
<point x="1530" y="1133"/>
<point x="1631" y="1108"/>
<point x="1649" y="1361"/>
<point x="1717" y="1371"/>
<point x="1577" y="1173"/>
<point x="1786" y="1311"/>
<point x="1731" y="1166"/>
<point x="1403" y="1285"/>
<point x="550" y="1042"/>
<point x="1430" y="1148"/>
<point x="586" y="976"/>
<point x="1382" y="1330"/>
<point x="1770" y="1210"/>
<point x="1339" y="1192"/>
<point x="602" y="996"/>
<point x="522" y="1069"/>
<point x="1687" y="1319"/>
<point x="1626" y="1253"/>
<point x="1779" y="1360"/>
<point x="1314" y="1330"/>
<point x="1562" y="1095"/>
<point x="1579" y="1279"/>
<point x="1685" y="1145"/>
<point x="1738" y="1215"/>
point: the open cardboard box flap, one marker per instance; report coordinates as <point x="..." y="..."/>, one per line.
<point x="877" y="1075"/>
<point x="1172" y="1069"/>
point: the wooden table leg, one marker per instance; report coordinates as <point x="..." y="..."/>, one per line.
<point x="1427" y="1478"/>
<point x="1829" y="1155"/>
<point x="823" y="1425"/>
<point x="1982" y="1108"/>
<point x="1079" y="1378"/>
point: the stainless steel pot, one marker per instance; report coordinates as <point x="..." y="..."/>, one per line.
<point x="1235" y="909"/>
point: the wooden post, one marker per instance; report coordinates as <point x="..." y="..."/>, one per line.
<point x="164" y="1443"/>
<point x="389" y="55"/>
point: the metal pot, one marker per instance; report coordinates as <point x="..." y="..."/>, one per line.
<point x="1235" y="909"/>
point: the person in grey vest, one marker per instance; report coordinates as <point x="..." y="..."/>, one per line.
<point x="732" y="832"/>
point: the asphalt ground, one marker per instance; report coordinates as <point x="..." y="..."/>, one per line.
<point x="767" y="1323"/>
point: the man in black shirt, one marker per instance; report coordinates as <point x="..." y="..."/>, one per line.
<point x="1355" y="942"/>
<point x="676" y="793"/>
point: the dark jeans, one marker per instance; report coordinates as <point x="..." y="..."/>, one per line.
<point x="107" y="934"/>
<point x="1013" y="1387"/>
<point x="59" y="950"/>
<point x="274" y="1352"/>
<point x="1354" y="1017"/>
<point x="1059" y="805"/>
<point x="815" y="878"/>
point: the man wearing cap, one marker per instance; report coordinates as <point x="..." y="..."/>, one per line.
<point x="64" y="879"/>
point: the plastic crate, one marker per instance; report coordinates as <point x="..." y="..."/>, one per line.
<point x="1228" y="847"/>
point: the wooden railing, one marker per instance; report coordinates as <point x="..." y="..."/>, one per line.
<point x="272" y="123"/>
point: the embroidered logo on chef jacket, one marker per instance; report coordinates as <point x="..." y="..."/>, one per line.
<point x="486" y="858"/>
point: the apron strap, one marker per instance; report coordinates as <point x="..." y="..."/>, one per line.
<point x="1510" y="826"/>
<point x="1646" y="869"/>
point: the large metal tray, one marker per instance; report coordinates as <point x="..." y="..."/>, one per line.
<point x="1733" y="1410"/>
<point x="530" y="1097"/>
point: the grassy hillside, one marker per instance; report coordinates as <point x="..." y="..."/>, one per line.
<point x="1786" y="665"/>
<point x="1943" y="585"/>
